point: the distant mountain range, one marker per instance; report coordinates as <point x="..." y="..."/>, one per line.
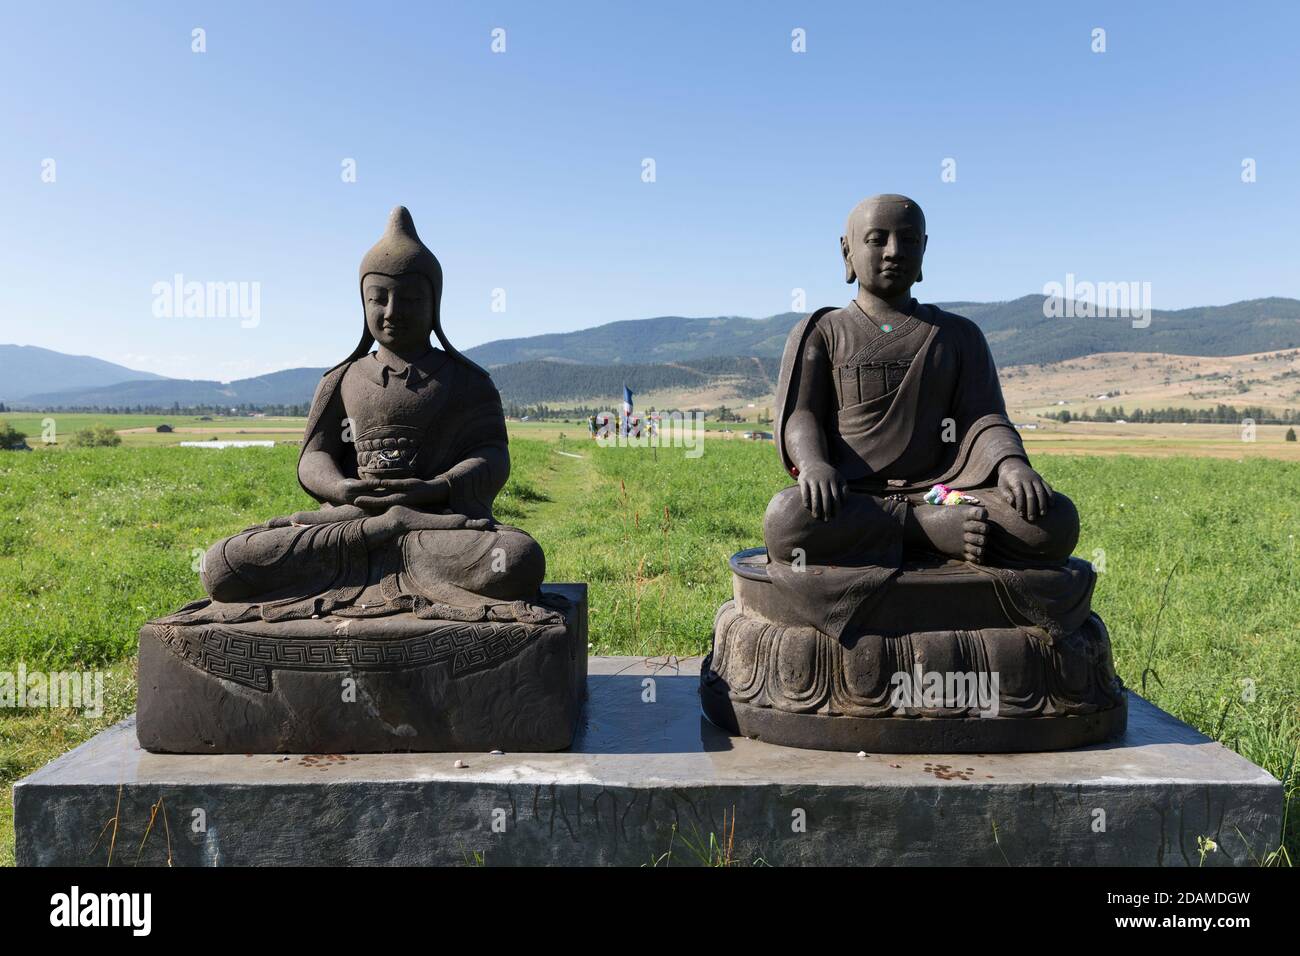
<point x="26" y="370"/>
<point x="669" y="338"/>
<point x="665" y="353"/>
<point x="288" y="387"/>
<point x="1018" y="333"/>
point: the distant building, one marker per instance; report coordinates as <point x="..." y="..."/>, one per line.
<point x="164" y="428"/>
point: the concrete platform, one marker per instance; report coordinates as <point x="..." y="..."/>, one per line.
<point x="644" y="761"/>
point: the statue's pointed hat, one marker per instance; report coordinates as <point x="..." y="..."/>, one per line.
<point x="399" y="251"/>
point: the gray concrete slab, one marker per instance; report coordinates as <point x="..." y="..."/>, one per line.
<point x="648" y="777"/>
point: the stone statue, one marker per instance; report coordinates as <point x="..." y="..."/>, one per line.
<point x="882" y="407"/>
<point x="405" y="449"/>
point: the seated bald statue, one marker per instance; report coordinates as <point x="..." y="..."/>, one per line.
<point x="405" y="449"/>
<point x="881" y="400"/>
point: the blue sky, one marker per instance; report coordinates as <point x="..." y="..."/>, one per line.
<point x="523" y="169"/>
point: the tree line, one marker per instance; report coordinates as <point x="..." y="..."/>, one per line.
<point x="1218" y="415"/>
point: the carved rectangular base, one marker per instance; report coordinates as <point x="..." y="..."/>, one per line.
<point x="375" y="685"/>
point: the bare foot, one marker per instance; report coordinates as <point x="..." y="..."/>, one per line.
<point x="399" y="519"/>
<point x="326" y="515"/>
<point x="958" y="531"/>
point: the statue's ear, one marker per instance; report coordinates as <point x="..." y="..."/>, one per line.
<point x="849" y="274"/>
<point x="925" y="241"/>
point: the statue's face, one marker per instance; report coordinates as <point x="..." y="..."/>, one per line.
<point x="885" y="248"/>
<point x="399" y="310"/>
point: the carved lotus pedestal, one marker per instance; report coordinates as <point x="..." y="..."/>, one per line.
<point x="365" y="685"/>
<point x="937" y="665"/>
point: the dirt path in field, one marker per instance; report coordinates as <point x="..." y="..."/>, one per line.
<point x="568" y="481"/>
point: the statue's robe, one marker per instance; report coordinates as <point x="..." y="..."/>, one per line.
<point x="326" y="563"/>
<point x="904" y="410"/>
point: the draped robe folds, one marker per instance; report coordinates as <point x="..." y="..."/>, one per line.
<point x="326" y="565"/>
<point x="935" y="416"/>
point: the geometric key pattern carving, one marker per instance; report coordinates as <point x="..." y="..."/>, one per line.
<point x="252" y="659"/>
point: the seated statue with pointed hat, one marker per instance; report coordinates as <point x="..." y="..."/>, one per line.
<point x="405" y="450"/>
<point x="917" y="535"/>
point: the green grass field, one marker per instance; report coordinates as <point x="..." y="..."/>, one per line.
<point x="53" y="431"/>
<point x="94" y="542"/>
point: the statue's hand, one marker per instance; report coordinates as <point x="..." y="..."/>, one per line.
<point x="350" y="489"/>
<point x="404" y="492"/>
<point x="1023" y="488"/>
<point x="822" y="489"/>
